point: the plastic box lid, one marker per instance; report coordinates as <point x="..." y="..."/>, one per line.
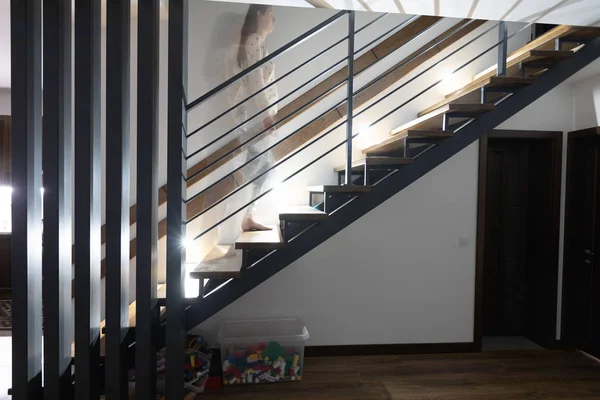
<point x="263" y="330"/>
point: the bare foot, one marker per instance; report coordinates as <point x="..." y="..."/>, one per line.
<point x="250" y="224"/>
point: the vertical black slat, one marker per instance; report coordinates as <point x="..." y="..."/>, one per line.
<point x="502" y="48"/>
<point x="87" y="198"/>
<point x="350" y="98"/>
<point x="176" y="170"/>
<point x="26" y="99"/>
<point x="118" y="14"/>
<point x="147" y="198"/>
<point x="58" y="230"/>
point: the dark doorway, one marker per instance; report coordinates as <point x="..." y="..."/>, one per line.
<point x="581" y="277"/>
<point x="518" y="228"/>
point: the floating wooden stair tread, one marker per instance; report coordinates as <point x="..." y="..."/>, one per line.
<point x="302" y="213"/>
<point x="433" y="120"/>
<point x="219" y="263"/>
<point x="584" y="33"/>
<point x="376" y="160"/>
<point x="495" y="82"/>
<point x="339" y="189"/>
<point x="396" y="143"/>
<point x="547" y="56"/>
<point x="260" y="240"/>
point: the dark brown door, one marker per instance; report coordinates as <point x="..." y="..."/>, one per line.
<point x="505" y="239"/>
<point x="582" y="268"/>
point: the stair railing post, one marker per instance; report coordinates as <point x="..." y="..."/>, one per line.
<point x="502" y="46"/>
<point x="350" y="101"/>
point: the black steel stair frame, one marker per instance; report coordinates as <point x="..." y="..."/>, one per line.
<point x="359" y="206"/>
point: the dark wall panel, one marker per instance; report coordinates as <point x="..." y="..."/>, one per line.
<point x="117" y="196"/>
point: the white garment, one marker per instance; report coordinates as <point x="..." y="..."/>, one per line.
<point x="250" y="125"/>
<point x="260" y="78"/>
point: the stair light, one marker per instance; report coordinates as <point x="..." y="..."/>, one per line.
<point x="365" y="130"/>
<point x="188" y="243"/>
<point x="449" y="83"/>
<point x="364" y="136"/>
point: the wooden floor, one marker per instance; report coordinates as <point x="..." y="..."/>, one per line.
<point x="498" y="375"/>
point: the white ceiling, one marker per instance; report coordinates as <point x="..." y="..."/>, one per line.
<point x="573" y="12"/>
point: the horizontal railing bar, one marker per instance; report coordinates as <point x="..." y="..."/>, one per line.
<point x="265" y="88"/>
<point x="282" y="182"/>
<point x="266" y="150"/>
<point x="368" y="24"/>
<point x="403" y="63"/>
<point x="264" y="130"/>
<point x="268" y="58"/>
<point x="425" y="71"/>
<point x="399" y="26"/>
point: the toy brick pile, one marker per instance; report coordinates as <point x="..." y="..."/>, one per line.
<point x="195" y="369"/>
<point x="268" y="362"/>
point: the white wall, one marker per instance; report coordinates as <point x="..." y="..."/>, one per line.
<point x="586" y="103"/>
<point x="4" y="101"/>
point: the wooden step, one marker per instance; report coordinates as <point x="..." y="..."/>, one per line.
<point x="376" y="160"/>
<point x="219" y="263"/>
<point x="493" y="82"/>
<point x="260" y="240"/>
<point x="339" y="189"/>
<point x="548" y="56"/>
<point x="583" y="33"/>
<point x="396" y="143"/>
<point x="302" y="213"/>
<point x="433" y="120"/>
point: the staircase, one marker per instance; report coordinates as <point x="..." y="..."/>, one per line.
<point x="409" y="152"/>
<point x="413" y="149"/>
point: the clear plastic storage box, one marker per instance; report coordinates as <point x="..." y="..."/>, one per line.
<point x="258" y="351"/>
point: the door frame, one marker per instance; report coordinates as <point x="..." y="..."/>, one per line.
<point x="571" y="137"/>
<point x="557" y="144"/>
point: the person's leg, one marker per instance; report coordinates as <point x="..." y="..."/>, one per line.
<point x="252" y="170"/>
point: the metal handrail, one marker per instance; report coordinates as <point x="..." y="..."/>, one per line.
<point x="399" y="26"/>
<point x="306" y="35"/>
<point x="343" y="142"/>
<point x="410" y="59"/>
<point x="214" y="162"/>
<point x="268" y="86"/>
<point x="441" y="80"/>
<point x="289" y="73"/>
